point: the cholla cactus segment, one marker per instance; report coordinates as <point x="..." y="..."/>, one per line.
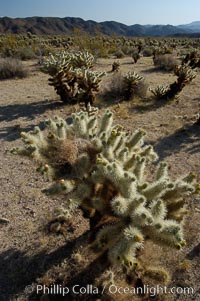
<point x="56" y="62"/>
<point x="83" y="60"/>
<point x="159" y="91"/>
<point x="60" y="60"/>
<point x="104" y="170"/>
<point x="88" y="82"/>
<point x="132" y="76"/>
<point x="89" y="78"/>
<point x="185" y="74"/>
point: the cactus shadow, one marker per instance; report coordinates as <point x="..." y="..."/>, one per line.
<point x="195" y="252"/>
<point x="150" y="70"/>
<point x="156" y="70"/>
<point x="187" y="138"/>
<point x="12" y="133"/>
<point x="149" y="105"/>
<point x="30" y="110"/>
<point x="18" y="270"/>
<point x="85" y="278"/>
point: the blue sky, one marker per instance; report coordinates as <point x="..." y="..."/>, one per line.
<point x="125" y="11"/>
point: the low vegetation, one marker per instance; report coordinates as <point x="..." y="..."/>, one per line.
<point x="166" y="62"/>
<point x="11" y="68"/>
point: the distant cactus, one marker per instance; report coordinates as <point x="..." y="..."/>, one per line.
<point x="192" y="59"/>
<point x="185" y="75"/>
<point x="131" y="81"/>
<point x="159" y="91"/>
<point x="115" y="66"/>
<point x="72" y="77"/>
<point x="104" y="170"/>
<point x="135" y="56"/>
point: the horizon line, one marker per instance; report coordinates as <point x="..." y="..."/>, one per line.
<point x="147" y="24"/>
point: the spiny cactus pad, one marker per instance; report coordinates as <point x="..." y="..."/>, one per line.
<point x="104" y="170"/>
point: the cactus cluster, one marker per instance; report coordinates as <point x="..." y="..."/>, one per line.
<point x="107" y="172"/>
<point x="185" y="75"/>
<point x="72" y="77"/>
<point x="192" y="59"/>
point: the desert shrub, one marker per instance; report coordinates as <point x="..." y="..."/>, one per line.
<point x="166" y="62"/>
<point x="135" y="56"/>
<point x="105" y="171"/>
<point x="115" y="87"/>
<point x="168" y="50"/>
<point x="141" y="89"/>
<point x="126" y="86"/>
<point x="134" y="85"/>
<point x="127" y="50"/>
<point x="119" y="54"/>
<point x="25" y="53"/>
<point x="11" y="68"/>
<point x="148" y="51"/>
<point x="94" y="45"/>
<point x="21" y="53"/>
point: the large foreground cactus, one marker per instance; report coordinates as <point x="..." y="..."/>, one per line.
<point x="107" y="172"/>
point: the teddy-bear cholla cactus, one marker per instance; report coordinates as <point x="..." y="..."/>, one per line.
<point x="88" y="82"/>
<point x="103" y="169"/>
<point x="72" y="77"/>
<point x="192" y="59"/>
<point x="185" y="75"/>
<point x="115" y="66"/>
<point x="55" y="62"/>
<point x="159" y="91"/>
<point x="131" y="80"/>
<point x="82" y="60"/>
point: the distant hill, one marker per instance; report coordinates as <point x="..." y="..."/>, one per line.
<point x="193" y="27"/>
<point x="60" y="26"/>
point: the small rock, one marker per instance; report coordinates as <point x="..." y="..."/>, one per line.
<point x="4" y="220"/>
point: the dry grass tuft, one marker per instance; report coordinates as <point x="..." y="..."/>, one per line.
<point x="11" y="68"/>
